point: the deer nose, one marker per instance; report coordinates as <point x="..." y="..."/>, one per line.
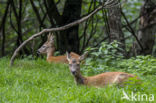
<point x="38" y="52"/>
<point x="73" y="72"/>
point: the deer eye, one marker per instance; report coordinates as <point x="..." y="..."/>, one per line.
<point x="44" y="46"/>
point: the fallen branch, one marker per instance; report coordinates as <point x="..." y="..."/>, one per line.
<point x="108" y="4"/>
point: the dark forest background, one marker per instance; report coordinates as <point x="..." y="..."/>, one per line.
<point x="132" y="24"/>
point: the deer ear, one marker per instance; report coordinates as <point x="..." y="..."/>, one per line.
<point x="52" y="34"/>
<point x="48" y="36"/>
<point x="82" y="57"/>
<point x="51" y="38"/>
<point x="68" y="56"/>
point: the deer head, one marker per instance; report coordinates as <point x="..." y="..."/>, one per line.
<point x="74" y="64"/>
<point x="48" y="46"/>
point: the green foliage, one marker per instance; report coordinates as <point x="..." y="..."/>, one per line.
<point x="107" y="58"/>
<point x="132" y="8"/>
<point x="104" y="57"/>
<point x="141" y="64"/>
<point x="30" y="81"/>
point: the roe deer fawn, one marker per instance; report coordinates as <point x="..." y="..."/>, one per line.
<point x="49" y="48"/>
<point x="99" y="80"/>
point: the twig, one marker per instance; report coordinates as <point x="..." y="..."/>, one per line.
<point x="86" y="27"/>
<point x="101" y="41"/>
<point x="149" y="25"/>
<point x="37" y="13"/>
<point x="132" y="22"/>
<point x="132" y="31"/>
<point x="105" y="19"/>
<point x="11" y="23"/>
<point x="93" y="31"/>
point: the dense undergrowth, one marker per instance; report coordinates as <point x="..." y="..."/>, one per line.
<point x="108" y="58"/>
<point x="36" y="81"/>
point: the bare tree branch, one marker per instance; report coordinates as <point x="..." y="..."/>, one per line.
<point x="37" y="13"/>
<point x="149" y="25"/>
<point x="86" y="27"/>
<point x="93" y="31"/>
<point x="105" y="19"/>
<point x="132" y="22"/>
<point x="11" y="23"/>
<point x="101" y="41"/>
<point x="132" y="31"/>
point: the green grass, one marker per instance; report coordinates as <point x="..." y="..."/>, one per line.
<point x="36" y="81"/>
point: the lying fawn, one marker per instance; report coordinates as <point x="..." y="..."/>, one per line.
<point x="49" y="48"/>
<point x="99" y="80"/>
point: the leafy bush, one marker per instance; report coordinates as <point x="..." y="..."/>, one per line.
<point x="101" y="59"/>
<point x="108" y="58"/>
<point x="141" y="64"/>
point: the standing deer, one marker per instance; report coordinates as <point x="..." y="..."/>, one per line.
<point x="49" y="48"/>
<point x="99" y="80"/>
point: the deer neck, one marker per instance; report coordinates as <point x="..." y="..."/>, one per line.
<point x="50" y="52"/>
<point x="79" y="79"/>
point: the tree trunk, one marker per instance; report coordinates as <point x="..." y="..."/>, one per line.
<point x="19" y="28"/>
<point x="115" y="26"/>
<point x="69" y="39"/>
<point x="18" y="17"/>
<point x="147" y="29"/>
<point x="2" y="28"/>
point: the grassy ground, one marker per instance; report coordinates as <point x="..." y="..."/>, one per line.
<point x="36" y="81"/>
